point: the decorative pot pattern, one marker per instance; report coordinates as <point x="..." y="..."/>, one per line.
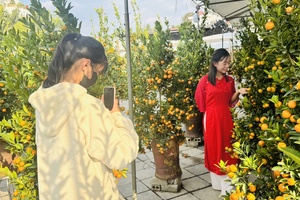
<point x="167" y="165"/>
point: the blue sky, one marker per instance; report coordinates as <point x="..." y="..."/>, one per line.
<point x="172" y="10"/>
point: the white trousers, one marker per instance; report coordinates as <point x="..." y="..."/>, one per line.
<point x="219" y="182"/>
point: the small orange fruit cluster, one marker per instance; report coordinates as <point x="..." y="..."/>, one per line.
<point x="120" y="173"/>
<point x="269" y="25"/>
<point x="19" y="164"/>
<point x="231" y="169"/>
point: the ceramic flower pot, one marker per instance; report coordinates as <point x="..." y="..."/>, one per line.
<point x="167" y="165"/>
<point x="6" y="157"/>
<point x="194" y="128"/>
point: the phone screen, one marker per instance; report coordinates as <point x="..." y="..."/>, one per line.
<point x="109" y="97"/>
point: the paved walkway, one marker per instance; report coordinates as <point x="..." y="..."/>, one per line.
<point x="4" y="189"/>
<point x="195" y="178"/>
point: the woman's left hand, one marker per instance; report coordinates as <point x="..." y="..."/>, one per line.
<point x="243" y="90"/>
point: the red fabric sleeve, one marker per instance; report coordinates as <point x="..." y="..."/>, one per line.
<point x="200" y="94"/>
<point x="232" y="104"/>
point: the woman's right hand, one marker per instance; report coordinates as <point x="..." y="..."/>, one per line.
<point x="243" y="90"/>
<point x="116" y="107"/>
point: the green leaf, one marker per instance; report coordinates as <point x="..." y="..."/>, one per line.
<point x="292" y="153"/>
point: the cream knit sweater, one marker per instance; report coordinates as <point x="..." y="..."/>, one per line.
<point x="79" y="142"/>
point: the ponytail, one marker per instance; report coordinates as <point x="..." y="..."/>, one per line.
<point x="71" y="48"/>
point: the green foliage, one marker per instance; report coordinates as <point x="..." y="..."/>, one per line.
<point x="9" y="20"/>
<point x="192" y="61"/>
<point x="27" y="49"/>
<point x="292" y="153"/>
<point x="168" y="76"/>
<point x="18" y="133"/>
<point x="117" y="70"/>
<point x="268" y="64"/>
<point x="63" y="11"/>
<point x="164" y="76"/>
<point x="154" y="90"/>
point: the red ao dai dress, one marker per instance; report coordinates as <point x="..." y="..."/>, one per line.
<point x="215" y="103"/>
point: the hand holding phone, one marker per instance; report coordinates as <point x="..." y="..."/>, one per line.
<point x="109" y="95"/>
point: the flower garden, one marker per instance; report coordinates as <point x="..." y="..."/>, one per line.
<point x="267" y="120"/>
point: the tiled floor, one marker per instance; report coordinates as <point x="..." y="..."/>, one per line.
<point x="3" y="189"/>
<point x="195" y="178"/>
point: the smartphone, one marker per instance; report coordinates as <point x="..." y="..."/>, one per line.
<point x="109" y="94"/>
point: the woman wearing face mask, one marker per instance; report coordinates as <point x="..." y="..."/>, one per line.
<point x="78" y="140"/>
<point x="215" y="95"/>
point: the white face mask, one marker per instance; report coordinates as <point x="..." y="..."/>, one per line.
<point x="86" y="82"/>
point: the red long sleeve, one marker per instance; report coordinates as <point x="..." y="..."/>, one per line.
<point x="200" y="94"/>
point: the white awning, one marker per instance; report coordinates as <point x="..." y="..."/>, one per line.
<point x="230" y="10"/>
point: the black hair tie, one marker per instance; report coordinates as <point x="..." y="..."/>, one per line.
<point x="78" y="37"/>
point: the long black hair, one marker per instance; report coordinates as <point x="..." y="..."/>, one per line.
<point x="71" y="48"/>
<point x="218" y="55"/>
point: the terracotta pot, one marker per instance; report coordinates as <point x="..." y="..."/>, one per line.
<point x="6" y="157"/>
<point x="197" y="131"/>
<point x="167" y="165"/>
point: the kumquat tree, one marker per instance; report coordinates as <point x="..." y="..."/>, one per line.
<point x="164" y="76"/>
<point x="266" y="134"/>
<point x="170" y="77"/>
<point x="26" y="50"/>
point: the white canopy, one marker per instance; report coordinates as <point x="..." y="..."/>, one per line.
<point x="230" y="10"/>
